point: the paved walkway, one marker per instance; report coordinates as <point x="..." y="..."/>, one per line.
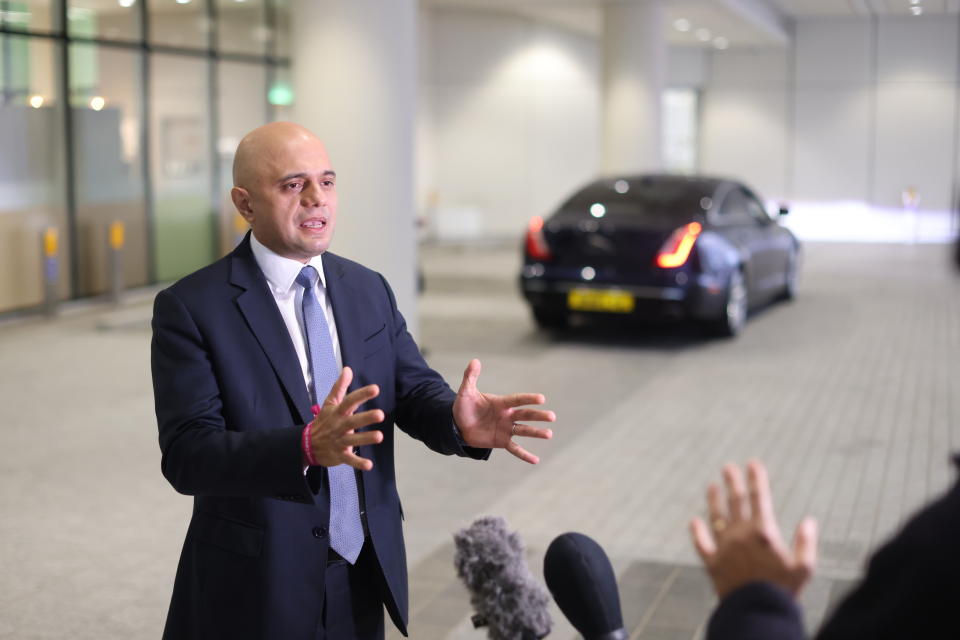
<point x="851" y="394"/>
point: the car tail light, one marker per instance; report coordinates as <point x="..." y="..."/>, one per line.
<point x="676" y="249"/>
<point x="536" y="244"/>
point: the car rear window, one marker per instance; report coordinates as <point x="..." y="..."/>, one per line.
<point x="659" y="200"/>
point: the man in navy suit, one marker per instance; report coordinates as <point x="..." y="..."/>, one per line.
<point x="234" y="368"/>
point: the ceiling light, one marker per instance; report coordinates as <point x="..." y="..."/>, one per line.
<point x="681" y="24"/>
<point x="720" y="42"/>
<point x="597" y="210"/>
<point x="126" y="4"/>
<point x="36" y="101"/>
<point x="917" y="10"/>
<point x="914" y="1"/>
<point x="704" y="35"/>
<point x="183" y="1"/>
<point x="97" y="103"/>
<point x="621" y="186"/>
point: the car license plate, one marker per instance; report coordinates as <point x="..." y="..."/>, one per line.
<point x="604" y="300"/>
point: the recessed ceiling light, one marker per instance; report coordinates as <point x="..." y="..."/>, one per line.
<point x="681" y="24"/>
<point x="97" y="103"/>
<point x="917" y="10"/>
<point x="126" y="4"/>
<point x="720" y="42"/>
<point x="914" y="1"/>
<point x="704" y="35"/>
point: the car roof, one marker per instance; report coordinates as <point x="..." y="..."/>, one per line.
<point x="700" y="183"/>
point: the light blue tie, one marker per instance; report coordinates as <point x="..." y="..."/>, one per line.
<point x="346" y="530"/>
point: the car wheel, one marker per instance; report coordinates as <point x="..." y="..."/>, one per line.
<point x="734" y="314"/>
<point x="792" y="276"/>
<point x="549" y="319"/>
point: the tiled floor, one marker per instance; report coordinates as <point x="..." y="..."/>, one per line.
<point x="851" y="394"/>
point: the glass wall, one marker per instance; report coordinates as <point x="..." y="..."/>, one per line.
<point x="243" y="105"/>
<point x="32" y="169"/>
<point x="124" y="114"/>
<point x="41" y="16"/>
<point x="178" y="23"/>
<point x="242" y="26"/>
<point x="181" y="165"/>
<point x="119" y="20"/>
<point x="105" y="96"/>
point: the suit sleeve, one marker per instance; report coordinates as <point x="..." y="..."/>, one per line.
<point x="910" y="588"/>
<point x="200" y="455"/>
<point x="756" y="611"/>
<point x="424" y="400"/>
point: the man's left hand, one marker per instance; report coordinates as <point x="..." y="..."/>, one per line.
<point x="489" y="421"/>
<point x="742" y="544"/>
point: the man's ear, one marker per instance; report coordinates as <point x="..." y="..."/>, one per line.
<point x="241" y="200"/>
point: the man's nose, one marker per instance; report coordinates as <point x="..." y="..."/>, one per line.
<point x="313" y="196"/>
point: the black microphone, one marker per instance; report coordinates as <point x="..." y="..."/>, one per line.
<point x="580" y="577"/>
<point x="507" y="599"/>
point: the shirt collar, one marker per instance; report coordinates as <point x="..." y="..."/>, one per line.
<point x="282" y="272"/>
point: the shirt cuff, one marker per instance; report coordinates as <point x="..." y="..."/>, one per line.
<point x="457" y="435"/>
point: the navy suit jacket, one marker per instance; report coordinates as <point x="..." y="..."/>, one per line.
<point x="910" y="590"/>
<point x="231" y="404"/>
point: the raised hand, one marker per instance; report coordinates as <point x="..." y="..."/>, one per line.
<point x="743" y="542"/>
<point x="490" y="421"/>
<point x="333" y="431"/>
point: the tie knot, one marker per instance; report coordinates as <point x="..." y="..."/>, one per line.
<point x="307" y="278"/>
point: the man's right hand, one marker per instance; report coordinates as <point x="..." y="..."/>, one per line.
<point x="333" y="432"/>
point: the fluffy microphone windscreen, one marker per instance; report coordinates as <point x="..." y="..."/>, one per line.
<point x="507" y="598"/>
<point x="579" y="575"/>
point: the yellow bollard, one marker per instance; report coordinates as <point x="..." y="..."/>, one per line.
<point x="51" y="269"/>
<point x="50" y="242"/>
<point x="115" y="239"/>
<point x="116" y="235"/>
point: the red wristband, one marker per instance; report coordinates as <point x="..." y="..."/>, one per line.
<point x="305" y="445"/>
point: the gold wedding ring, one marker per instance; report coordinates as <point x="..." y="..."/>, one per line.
<point x="719" y="524"/>
<point x="513" y="431"/>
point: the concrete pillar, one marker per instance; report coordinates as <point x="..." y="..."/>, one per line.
<point x="634" y="66"/>
<point x="354" y="82"/>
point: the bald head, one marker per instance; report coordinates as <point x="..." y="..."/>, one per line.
<point x="285" y="188"/>
<point x="265" y="145"/>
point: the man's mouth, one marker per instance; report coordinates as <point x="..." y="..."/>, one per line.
<point x="314" y="223"/>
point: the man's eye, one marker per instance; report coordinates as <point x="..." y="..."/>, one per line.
<point x="294" y="186"/>
<point x="328" y="183"/>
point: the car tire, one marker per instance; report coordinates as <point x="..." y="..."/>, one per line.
<point x="735" y="307"/>
<point x="791" y="283"/>
<point x="549" y="318"/>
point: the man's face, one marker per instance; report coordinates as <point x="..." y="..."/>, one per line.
<point x="290" y="200"/>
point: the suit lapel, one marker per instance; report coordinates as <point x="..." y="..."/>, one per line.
<point x="259" y="309"/>
<point x="346" y="313"/>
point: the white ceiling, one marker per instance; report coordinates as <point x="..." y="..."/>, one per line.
<point x="744" y="23"/>
<point x="863" y="7"/>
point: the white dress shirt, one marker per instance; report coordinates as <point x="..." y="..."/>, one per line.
<point x="281" y="276"/>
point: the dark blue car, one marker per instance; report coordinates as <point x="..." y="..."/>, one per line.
<point x="658" y="246"/>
